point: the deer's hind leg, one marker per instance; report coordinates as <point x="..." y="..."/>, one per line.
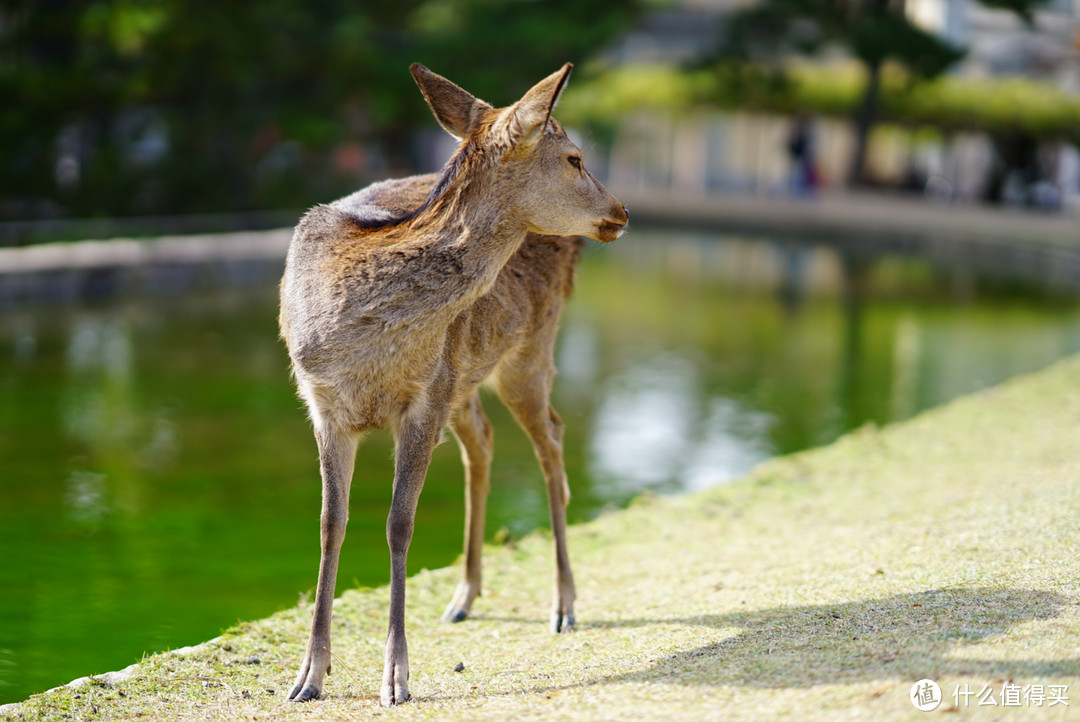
<point x="337" y="456"/>
<point x="475" y="437"/>
<point x="524" y="387"/>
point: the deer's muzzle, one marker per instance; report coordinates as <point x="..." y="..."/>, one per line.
<point x="611" y="228"/>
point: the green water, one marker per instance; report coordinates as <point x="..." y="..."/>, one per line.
<point x="159" y="478"/>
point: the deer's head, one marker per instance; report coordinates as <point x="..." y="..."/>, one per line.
<point x="539" y="172"/>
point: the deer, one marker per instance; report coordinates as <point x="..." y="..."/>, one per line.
<point x="400" y="300"/>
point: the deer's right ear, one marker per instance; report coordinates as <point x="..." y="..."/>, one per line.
<point x="529" y="117"/>
<point x="457" y="110"/>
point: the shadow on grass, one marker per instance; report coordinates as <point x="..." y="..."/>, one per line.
<point x="905" y="635"/>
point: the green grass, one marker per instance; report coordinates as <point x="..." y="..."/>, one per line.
<point x="820" y="587"/>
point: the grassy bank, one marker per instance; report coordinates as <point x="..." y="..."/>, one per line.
<point x="822" y="586"/>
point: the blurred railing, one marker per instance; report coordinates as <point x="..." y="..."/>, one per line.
<point x="22" y="233"/>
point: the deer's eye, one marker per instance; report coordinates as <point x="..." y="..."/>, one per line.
<point x="574" y="161"/>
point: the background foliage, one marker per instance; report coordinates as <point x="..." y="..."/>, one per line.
<point x="120" y="107"/>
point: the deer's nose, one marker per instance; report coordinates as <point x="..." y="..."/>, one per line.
<point x="621" y="213"/>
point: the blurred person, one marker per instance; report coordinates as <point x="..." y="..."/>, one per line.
<point x="800" y="148"/>
<point x="1068" y="175"/>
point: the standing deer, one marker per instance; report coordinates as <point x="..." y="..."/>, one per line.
<point x="400" y="300"/>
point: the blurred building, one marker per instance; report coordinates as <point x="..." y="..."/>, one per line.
<point x="1000" y="43"/>
<point x="751" y="152"/>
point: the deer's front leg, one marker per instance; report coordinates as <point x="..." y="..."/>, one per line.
<point x="415" y="441"/>
<point x="337" y="454"/>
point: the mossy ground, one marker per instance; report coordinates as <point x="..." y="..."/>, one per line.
<point x="820" y="587"/>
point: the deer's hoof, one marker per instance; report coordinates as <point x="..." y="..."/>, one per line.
<point x="308" y="683"/>
<point x="395" y="685"/>
<point x="304" y="694"/>
<point x="562" y="623"/>
<point x="455" y="615"/>
<point x="394" y="694"/>
<point x="458" y="608"/>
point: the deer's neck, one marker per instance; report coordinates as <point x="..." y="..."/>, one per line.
<point x="473" y="226"/>
<point x="441" y="260"/>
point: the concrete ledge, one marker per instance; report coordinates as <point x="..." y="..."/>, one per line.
<point x="1008" y="243"/>
<point x="87" y="270"/>
<point x="50" y="257"/>
<point x="866" y="217"/>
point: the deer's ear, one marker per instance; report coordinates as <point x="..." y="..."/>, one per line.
<point x="456" y="109"/>
<point x="529" y="116"/>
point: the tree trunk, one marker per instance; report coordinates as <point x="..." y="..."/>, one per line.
<point x="865" y="119"/>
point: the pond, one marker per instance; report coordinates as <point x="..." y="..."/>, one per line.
<point x="159" y="477"/>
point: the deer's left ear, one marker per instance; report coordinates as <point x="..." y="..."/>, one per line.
<point x="529" y="116"/>
<point x="457" y="110"/>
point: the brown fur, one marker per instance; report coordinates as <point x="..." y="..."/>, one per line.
<point x="400" y="300"/>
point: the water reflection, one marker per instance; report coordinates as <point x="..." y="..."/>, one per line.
<point x="577" y="357"/>
<point x="23" y="339"/>
<point x="84" y="497"/>
<point x="747" y="349"/>
<point x="733" y="440"/>
<point x="106" y="418"/>
<point x="95" y="344"/>
<point x="644" y="425"/>
<point x="655" y="427"/>
<point x="906" y="355"/>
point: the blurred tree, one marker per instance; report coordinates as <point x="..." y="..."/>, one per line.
<point x="872" y="31"/>
<point x="119" y="107"/>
